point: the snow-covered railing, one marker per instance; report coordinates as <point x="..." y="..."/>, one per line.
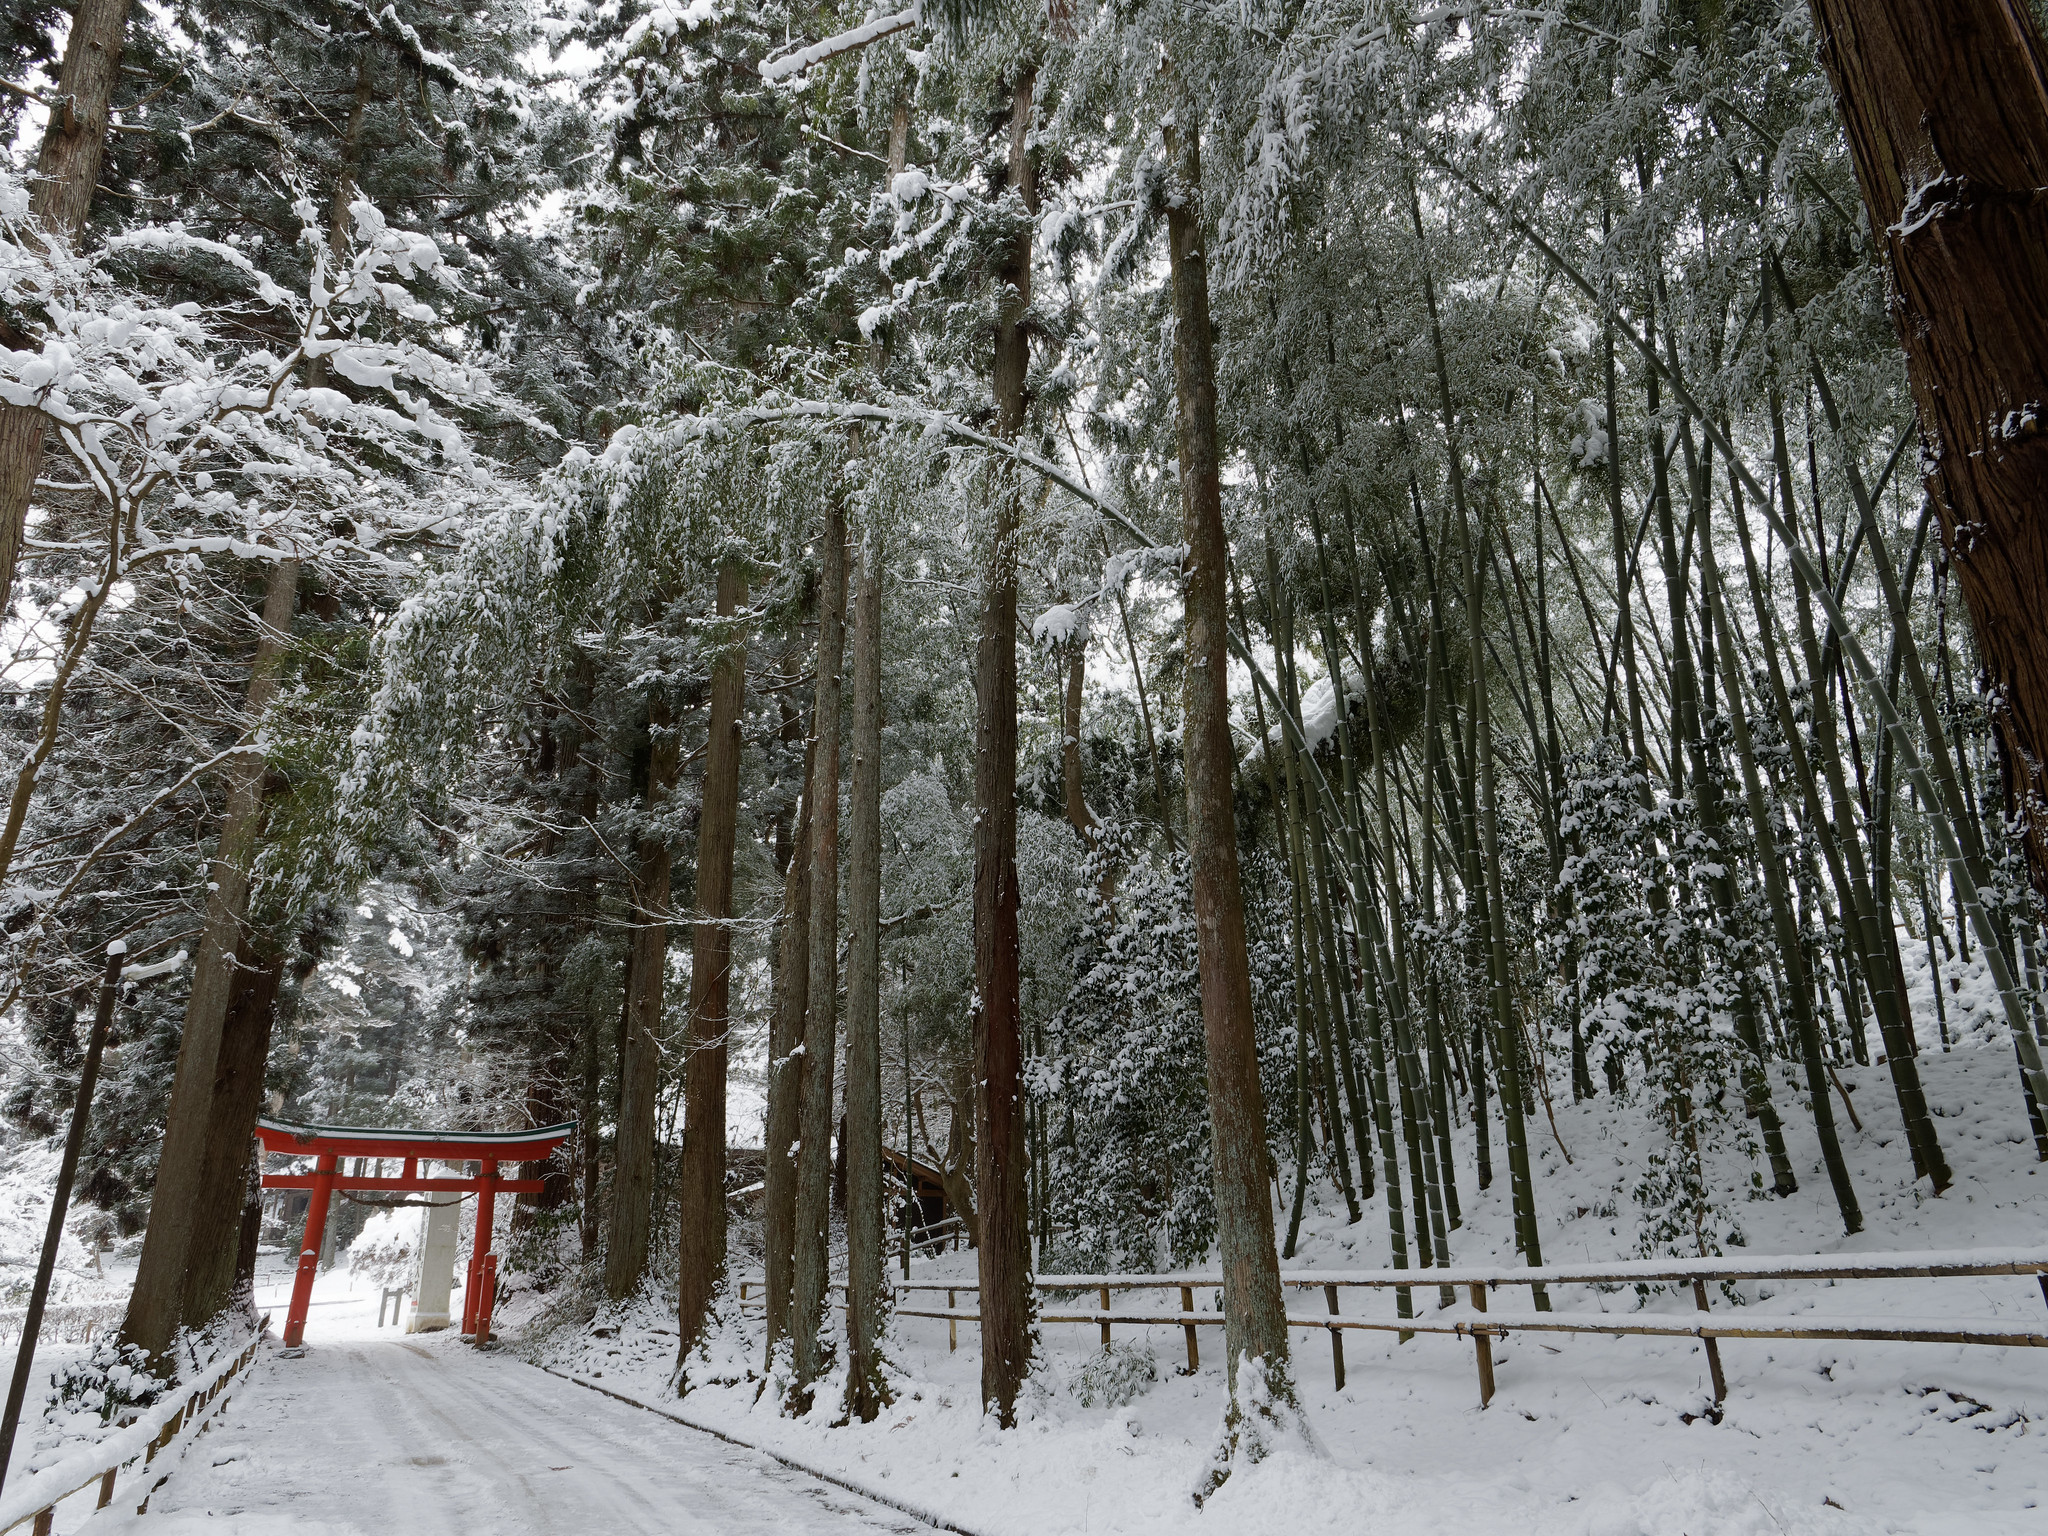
<point x="74" y="1323"/>
<point x="1931" y="1263"/>
<point x="37" y="1497"/>
<point x="953" y="1229"/>
<point x="1483" y="1327"/>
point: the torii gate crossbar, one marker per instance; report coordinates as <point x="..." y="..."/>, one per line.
<point x="328" y="1144"/>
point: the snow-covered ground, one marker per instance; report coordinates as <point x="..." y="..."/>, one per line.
<point x="378" y="1433"/>
<point x="1586" y="1437"/>
<point x="372" y="1433"/>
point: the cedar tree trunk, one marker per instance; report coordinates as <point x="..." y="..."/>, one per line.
<point x="785" y="1071"/>
<point x="67" y="172"/>
<point x="814" y="1151"/>
<point x="999" y="1141"/>
<point x="625" y="1249"/>
<point x="860" y="1142"/>
<point x="1255" y="1318"/>
<point x="156" y="1307"/>
<point x="1078" y="814"/>
<point x="1946" y="107"/>
<point x="230" y="1133"/>
<point x="702" y="1242"/>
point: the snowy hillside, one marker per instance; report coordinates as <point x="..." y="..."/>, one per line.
<point x="1587" y="1435"/>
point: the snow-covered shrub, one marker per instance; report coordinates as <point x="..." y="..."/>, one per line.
<point x="1660" y="973"/>
<point x="1116" y="1378"/>
<point x="104" y="1383"/>
<point x="1125" y="1056"/>
<point x="1606" y="904"/>
<point x="543" y="1251"/>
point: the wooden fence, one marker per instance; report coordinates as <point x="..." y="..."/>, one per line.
<point x="35" y="1498"/>
<point x="939" y="1236"/>
<point x="1483" y="1326"/>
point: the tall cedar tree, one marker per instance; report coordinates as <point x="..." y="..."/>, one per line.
<point x="1946" y="107"/>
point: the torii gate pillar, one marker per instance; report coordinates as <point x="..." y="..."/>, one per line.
<point x="309" y="1250"/>
<point x="479" y="1286"/>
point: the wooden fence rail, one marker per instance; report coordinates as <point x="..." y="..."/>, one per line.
<point x="36" y="1498"/>
<point x="1483" y="1327"/>
<point x="936" y="1238"/>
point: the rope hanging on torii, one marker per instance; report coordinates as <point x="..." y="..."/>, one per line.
<point x="327" y="1145"/>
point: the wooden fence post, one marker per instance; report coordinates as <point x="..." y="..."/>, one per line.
<point x="44" y="1519"/>
<point x="1336" y="1339"/>
<point x="1187" y="1304"/>
<point x="1482" y="1345"/>
<point x="1105" y="1320"/>
<point x="107" y="1487"/>
<point x="1699" y="1296"/>
<point x="952" y="1324"/>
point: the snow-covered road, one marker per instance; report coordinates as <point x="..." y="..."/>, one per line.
<point x="419" y="1438"/>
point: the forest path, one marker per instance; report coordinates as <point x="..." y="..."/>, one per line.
<point x="419" y="1438"/>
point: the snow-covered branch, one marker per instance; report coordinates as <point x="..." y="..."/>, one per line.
<point x="192" y="442"/>
<point x="629" y="441"/>
<point x="850" y="41"/>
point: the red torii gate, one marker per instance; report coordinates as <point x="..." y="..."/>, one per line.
<point x="328" y="1144"/>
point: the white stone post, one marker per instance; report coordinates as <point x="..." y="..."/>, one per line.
<point x="439" y="1226"/>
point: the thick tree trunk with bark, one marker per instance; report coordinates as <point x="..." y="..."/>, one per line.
<point x="1255" y="1316"/>
<point x="632" y="1215"/>
<point x="67" y="172"/>
<point x="230" y="1134"/>
<point x="785" y="1073"/>
<point x="75" y="139"/>
<point x="156" y="1307"/>
<point x="861" y="1139"/>
<point x="956" y="1162"/>
<point x="1946" y="107"/>
<point x="702" y="1180"/>
<point x="999" y="1141"/>
<point x="814" y="1154"/>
